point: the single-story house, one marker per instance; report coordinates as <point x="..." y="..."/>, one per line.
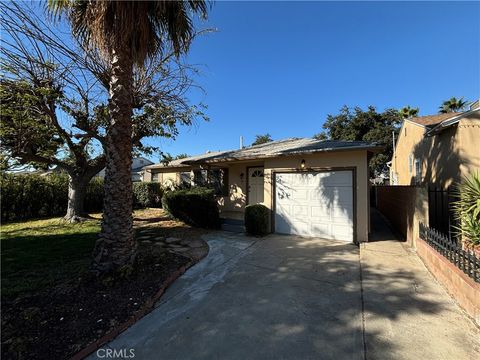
<point x="312" y="187"/>
<point x="138" y="163"/>
<point x="437" y="150"/>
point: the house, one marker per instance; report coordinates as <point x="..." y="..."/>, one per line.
<point x="312" y="187"/>
<point x="138" y="163"/>
<point x="438" y="149"/>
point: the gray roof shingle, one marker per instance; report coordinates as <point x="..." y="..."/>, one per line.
<point x="284" y="147"/>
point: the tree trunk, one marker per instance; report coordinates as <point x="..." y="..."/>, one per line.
<point x="77" y="189"/>
<point x="116" y="246"/>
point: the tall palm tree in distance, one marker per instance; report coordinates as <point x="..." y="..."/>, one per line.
<point x="408" y="112"/>
<point x="453" y="105"/>
<point x="126" y="33"/>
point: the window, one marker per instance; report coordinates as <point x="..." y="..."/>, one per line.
<point x="418" y="171"/>
<point x="155" y="177"/>
<point x="200" y="177"/>
<point x="218" y="180"/>
<point x="410" y="163"/>
<point x="185" y="178"/>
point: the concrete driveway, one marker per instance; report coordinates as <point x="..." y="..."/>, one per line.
<point x="285" y="297"/>
<point x="279" y="297"/>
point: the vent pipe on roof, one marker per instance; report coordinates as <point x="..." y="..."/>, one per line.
<point x="241" y="142"/>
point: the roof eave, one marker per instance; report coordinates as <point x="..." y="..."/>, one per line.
<point x="449" y="122"/>
<point x="373" y="148"/>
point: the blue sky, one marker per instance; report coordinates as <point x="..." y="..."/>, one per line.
<point x="281" y="67"/>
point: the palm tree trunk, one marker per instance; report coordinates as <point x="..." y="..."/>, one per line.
<point x="77" y="189"/>
<point x="116" y="246"/>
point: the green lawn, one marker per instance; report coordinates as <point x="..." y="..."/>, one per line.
<point x="40" y="253"/>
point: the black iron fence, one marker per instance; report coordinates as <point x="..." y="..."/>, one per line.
<point x="450" y="249"/>
<point x="440" y="213"/>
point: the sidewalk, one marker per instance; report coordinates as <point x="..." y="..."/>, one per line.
<point x="407" y="314"/>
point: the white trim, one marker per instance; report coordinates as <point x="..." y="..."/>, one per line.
<point x="449" y="122"/>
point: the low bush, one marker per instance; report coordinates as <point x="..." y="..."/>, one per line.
<point x="147" y="194"/>
<point x="196" y="206"/>
<point x="256" y="219"/>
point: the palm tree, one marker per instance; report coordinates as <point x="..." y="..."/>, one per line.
<point x="408" y="112"/>
<point x="126" y="33"/>
<point x="453" y="105"/>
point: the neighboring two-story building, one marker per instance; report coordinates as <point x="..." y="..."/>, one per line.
<point x="438" y="149"/>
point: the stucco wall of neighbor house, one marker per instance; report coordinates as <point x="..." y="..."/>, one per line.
<point x="469" y="144"/>
<point x="445" y="156"/>
<point x="341" y="159"/>
<point x="410" y="135"/>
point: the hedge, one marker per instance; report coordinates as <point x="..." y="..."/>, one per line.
<point x="256" y="219"/>
<point x="196" y="206"/>
<point x="147" y="194"/>
<point x="27" y="196"/>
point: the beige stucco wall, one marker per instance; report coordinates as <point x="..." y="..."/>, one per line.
<point x="236" y="201"/>
<point x="469" y="144"/>
<point x="445" y="157"/>
<point x="410" y="135"/>
<point x="357" y="159"/>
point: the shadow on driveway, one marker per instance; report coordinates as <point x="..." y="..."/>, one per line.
<point x="280" y="297"/>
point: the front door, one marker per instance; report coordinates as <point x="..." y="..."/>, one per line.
<point x="255" y="185"/>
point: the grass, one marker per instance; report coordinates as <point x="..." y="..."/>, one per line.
<point x="38" y="254"/>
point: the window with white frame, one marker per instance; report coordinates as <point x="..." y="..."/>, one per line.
<point x="418" y="171"/>
<point x="155" y="177"/>
<point x="410" y="164"/>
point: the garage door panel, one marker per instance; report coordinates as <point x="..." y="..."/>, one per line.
<point x="300" y="211"/>
<point x="315" y="204"/>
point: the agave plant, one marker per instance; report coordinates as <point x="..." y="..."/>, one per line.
<point x="467" y="209"/>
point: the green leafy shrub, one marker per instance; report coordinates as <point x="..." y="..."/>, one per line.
<point x="256" y="219"/>
<point x="147" y="194"/>
<point x="196" y="206"/>
<point x="30" y="196"/>
<point x="467" y="209"/>
<point x="27" y="196"/>
<point x="94" y="196"/>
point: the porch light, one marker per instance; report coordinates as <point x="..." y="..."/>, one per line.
<point x="302" y="164"/>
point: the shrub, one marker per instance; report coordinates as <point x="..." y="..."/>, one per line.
<point x="94" y="196"/>
<point x="26" y="196"/>
<point x="256" y="219"/>
<point x="195" y="206"/>
<point x="147" y="194"/>
<point x="467" y="209"/>
<point x="32" y="195"/>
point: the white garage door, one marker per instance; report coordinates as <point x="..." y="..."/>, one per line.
<point x="316" y="204"/>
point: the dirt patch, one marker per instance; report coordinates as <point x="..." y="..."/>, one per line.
<point x="58" y="323"/>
